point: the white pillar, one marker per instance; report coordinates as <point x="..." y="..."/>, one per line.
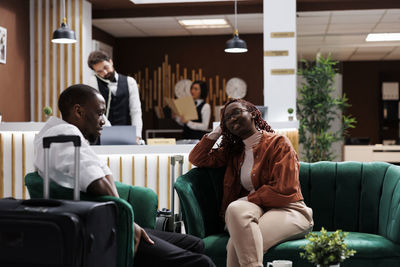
<point x="280" y="61"/>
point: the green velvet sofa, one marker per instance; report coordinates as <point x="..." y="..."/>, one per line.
<point x="360" y="198"/>
<point x="136" y="203"/>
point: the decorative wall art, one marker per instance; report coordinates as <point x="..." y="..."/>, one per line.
<point x="3" y="44"/>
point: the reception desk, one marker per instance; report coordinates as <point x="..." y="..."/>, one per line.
<point x="372" y="153"/>
<point x="136" y="165"/>
<point x="147" y="166"/>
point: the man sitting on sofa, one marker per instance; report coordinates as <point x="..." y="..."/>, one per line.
<point x="82" y="109"/>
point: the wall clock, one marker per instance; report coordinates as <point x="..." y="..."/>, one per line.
<point x="182" y="88"/>
<point x="236" y="88"/>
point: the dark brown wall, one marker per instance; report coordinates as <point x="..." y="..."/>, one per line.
<point x="194" y="52"/>
<point x="362" y="85"/>
<point x="14" y="75"/>
<point x="100" y="35"/>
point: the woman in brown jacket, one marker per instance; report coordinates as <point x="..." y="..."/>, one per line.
<point x="262" y="201"/>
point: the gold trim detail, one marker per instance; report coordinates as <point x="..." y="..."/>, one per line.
<point x="133" y="170"/>
<point x="1" y="166"/>
<point x="43" y="56"/>
<point x="120" y="169"/>
<point x="73" y="47"/>
<point x="169" y="182"/>
<point x="282" y="34"/>
<point x="145" y="171"/>
<point x="51" y="54"/>
<point x="276" y="53"/>
<point x="58" y="71"/>
<point x="23" y="167"/>
<point x="282" y="71"/>
<point x="36" y="61"/>
<point x="12" y="166"/>
<point x="108" y="162"/>
<point x="158" y="180"/>
<point x="80" y="42"/>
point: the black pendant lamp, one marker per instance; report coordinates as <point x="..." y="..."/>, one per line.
<point x="236" y="45"/>
<point x="64" y="35"/>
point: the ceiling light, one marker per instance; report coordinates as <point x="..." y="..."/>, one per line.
<point x="236" y="45"/>
<point x="383" y="37"/>
<point x="64" y="35"/>
<point x="204" y="23"/>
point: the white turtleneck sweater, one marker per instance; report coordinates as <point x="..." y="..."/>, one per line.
<point x="248" y="162"/>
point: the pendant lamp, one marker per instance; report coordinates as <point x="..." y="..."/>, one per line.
<point x="236" y="45"/>
<point x="64" y="35"/>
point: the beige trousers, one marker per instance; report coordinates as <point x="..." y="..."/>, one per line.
<point x="253" y="231"/>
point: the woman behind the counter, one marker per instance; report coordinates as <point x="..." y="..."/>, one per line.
<point x="262" y="201"/>
<point x="197" y="128"/>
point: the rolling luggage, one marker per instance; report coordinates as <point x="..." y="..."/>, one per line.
<point x="166" y="219"/>
<point x="50" y="232"/>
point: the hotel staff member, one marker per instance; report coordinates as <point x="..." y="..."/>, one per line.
<point x="120" y="92"/>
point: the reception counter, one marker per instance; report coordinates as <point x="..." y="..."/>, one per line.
<point x="388" y="153"/>
<point x="136" y="165"/>
<point x="147" y="166"/>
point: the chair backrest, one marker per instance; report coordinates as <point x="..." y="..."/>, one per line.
<point x="125" y="231"/>
<point x="352" y="196"/>
<point x="201" y="188"/>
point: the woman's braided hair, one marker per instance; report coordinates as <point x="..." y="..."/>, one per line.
<point x="232" y="143"/>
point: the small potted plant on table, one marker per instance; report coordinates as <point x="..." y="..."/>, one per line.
<point x="290" y="111"/>
<point x="325" y="249"/>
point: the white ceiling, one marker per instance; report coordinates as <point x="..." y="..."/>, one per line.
<point x="341" y="33"/>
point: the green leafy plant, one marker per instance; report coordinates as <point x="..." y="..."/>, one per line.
<point x="290" y="110"/>
<point x="325" y="249"/>
<point x="317" y="108"/>
<point x="47" y="110"/>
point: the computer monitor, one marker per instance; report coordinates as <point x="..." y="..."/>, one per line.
<point x="118" y="135"/>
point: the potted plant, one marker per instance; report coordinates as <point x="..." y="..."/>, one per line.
<point x="290" y="111"/>
<point x="47" y="111"/>
<point x="324" y="249"/>
<point x="317" y="108"/>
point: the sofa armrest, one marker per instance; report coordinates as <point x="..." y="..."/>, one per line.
<point x="144" y="202"/>
<point x="200" y="194"/>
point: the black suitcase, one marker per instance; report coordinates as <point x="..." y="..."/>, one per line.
<point x="49" y="232"/>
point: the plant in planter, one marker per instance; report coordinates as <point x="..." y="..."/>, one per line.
<point x="47" y="111"/>
<point x="317" y="108"/>
<point x="325" y="249"/>
<point x="290" y="111"/>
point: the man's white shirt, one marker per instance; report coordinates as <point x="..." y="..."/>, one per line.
<point x="135" y="109"/>
<point x="62" y="156"/>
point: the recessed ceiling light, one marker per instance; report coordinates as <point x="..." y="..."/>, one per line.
<point x="383" y="37"/>
<point x="204" y="23"/>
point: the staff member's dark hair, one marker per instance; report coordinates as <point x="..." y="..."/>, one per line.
<point x="97" y="57"/>
<point x="75" y="94"/>
<point x="203" y="88"/>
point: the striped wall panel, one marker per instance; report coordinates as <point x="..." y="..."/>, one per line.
<point x="56" y="66"/>
<point x="152" y="170"/>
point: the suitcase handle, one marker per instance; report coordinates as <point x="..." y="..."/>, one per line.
<point x="47" y="141"/>
<point x="61" y="139"/>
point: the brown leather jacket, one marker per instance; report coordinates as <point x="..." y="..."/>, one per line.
<point x="275" y="173"/>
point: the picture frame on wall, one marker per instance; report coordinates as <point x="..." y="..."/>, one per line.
<point x="3" y="45"/>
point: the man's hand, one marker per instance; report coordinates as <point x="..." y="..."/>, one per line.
<point x="139" y="234"/>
